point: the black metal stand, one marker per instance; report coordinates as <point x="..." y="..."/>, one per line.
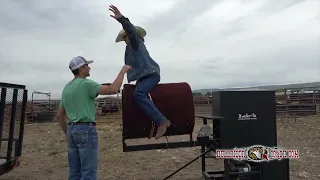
<point x="12" y="96"/>
<point x="201" y="155"/>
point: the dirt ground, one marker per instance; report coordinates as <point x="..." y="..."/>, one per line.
<point x="44" y="154"/>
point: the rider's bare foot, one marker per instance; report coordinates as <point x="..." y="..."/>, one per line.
<point x="162" y="129"/>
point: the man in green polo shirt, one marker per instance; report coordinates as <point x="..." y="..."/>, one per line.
<point x="78" y="105"/>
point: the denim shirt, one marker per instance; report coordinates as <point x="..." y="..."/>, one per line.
<point x="136" y="54"/>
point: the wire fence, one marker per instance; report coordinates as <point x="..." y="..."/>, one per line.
<point x="288" y="105"/>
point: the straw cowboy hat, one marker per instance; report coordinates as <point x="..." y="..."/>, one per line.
<point x="139" y="30"/>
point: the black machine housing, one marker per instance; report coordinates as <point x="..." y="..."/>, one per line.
<point x="249" y="119"/>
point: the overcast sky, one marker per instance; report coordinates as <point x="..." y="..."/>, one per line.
<point x="207" y="43"/>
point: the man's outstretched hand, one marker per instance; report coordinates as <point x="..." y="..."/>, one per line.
<point x="125" y="69"/>
<point x="115" y="11"/>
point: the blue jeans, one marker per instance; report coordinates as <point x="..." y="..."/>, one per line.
<point x="143" y="87"/>
<point x="82" y="151"/>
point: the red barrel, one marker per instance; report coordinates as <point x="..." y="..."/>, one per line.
<point x="174" y="100"/>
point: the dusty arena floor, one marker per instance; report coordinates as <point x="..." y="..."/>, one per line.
<point x="44" y="154"/>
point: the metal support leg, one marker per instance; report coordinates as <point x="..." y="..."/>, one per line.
<point x="201" y="155"/>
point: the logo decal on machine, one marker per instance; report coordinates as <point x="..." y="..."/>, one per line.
<point x="247" y="116"/>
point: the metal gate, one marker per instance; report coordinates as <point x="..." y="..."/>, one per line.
<point x="13" y="100"/>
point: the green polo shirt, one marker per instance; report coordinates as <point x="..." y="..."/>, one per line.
<point x="78" y="100"/>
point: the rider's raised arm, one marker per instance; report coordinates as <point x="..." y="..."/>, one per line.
<point x="130" y="29"/>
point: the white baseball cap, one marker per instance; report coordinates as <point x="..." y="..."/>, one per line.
<point x="77" y="62"/>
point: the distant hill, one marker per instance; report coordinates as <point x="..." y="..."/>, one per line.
<point x="310" y="85"/>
